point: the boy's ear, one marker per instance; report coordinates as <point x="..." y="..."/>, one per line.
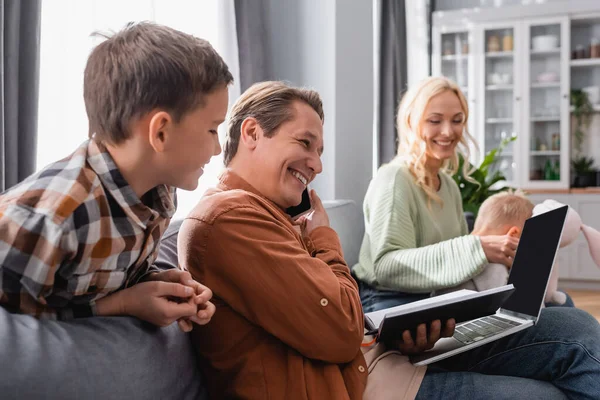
<point x="514" y="231"/>
<point x="159" y="130"/>
<point x="250" y="132"/>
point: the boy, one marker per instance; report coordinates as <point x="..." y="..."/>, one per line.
<point x="501" y="214"/>
<point x="79" y="238"/>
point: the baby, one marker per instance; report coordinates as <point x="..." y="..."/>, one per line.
<point x="501" y="214"/>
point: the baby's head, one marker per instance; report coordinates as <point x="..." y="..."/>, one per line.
<point x="503" y="213"/>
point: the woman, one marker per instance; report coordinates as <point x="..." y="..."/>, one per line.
<point x="416" y="238"/>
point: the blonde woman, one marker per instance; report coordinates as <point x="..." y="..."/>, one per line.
<point x="416" y="238"/>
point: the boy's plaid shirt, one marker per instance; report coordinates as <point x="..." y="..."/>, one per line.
<point x="76" y="232"/>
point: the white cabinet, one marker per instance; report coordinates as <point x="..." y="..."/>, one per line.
<point x="545" y="129"/>
<point x="517" y="76"/>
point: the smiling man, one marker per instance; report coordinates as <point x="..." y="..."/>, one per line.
<point x="289" y="322"/>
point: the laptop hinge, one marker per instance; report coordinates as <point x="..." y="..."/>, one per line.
<point x="517" y="314"/>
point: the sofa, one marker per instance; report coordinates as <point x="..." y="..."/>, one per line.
<point x="120" y="357"/>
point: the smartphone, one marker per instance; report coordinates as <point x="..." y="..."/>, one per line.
<point x="302" y="208"/>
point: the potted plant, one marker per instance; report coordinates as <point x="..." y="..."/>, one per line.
<point x="482" y="182"/>
<point x="583" y="173"/>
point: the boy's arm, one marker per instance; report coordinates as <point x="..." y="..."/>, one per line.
<point x="32" y="248"/>
<point x="256" y="264"/>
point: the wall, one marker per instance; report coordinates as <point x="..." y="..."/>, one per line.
<point x="328" y="46"/>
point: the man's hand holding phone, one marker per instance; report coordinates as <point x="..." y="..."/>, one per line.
<point x="316" y="217"/>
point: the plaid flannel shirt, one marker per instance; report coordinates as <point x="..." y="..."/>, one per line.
<point x="76" y="232"/>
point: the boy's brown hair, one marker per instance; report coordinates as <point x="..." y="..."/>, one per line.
<point x="504" y="208"/>
<point x="143" y="67"/>
<point x="271" y="104"/>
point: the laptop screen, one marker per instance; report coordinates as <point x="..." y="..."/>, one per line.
<point x="533" y="261"/>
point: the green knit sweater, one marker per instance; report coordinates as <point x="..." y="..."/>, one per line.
<point x="412" y="244"/>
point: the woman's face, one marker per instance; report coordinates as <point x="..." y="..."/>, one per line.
<point x="442" y="127"/>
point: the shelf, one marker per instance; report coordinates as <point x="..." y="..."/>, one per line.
<point x="499" y="87"/>
<point x="545" y="119"/>
<point x="585" y="62"/>
<point x="499" y="120"/>
<point x="595" y="107"/>
<point x="545" y="52"/>
<point x="536" y="153"/>
<point x="499" y="54"/>
<point x="455" y="57"/>
<point x="542" y="85"/>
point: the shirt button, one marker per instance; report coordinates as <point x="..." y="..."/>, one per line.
<point x="361" y="368"/>
<point x="324" y="302"/>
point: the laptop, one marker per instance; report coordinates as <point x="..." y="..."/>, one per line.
<point x="529" y="274"/>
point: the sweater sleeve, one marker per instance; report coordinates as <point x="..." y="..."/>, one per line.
<point x="398" y="263"/>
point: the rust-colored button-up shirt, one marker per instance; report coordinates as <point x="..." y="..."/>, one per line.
<point x="289" y="321"/>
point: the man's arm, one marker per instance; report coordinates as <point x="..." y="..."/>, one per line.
<point x="255" y="263"/>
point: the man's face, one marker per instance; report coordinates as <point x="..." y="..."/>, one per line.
<point x="195" y="141"/>
<point x="290" y="159"/>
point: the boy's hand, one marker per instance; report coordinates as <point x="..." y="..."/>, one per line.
<point x="317" y="217"/>
<point x="202" y="295"/>
<point x="160" y="303"/>
<point x="500" y="249"/>
<point x="423" y="343"/>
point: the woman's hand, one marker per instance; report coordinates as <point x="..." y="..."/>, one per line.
<point x="500" y="249"/>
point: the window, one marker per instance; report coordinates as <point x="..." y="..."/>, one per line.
<point x="66" y="44"/>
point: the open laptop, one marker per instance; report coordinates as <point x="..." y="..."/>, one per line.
<point x="530" y="274"/>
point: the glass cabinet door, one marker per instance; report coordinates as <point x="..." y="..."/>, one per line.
<point x="499" y="108"/>
<point x="547" y="109"/>
<point x="455" y="58"/>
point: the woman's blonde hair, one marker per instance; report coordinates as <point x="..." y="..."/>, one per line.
<point x="412" y="146"/>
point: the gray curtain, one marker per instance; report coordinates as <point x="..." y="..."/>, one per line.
<point x="392" y="73"/>
<point x="19" y="86"/>
<point x="252" y="41"/>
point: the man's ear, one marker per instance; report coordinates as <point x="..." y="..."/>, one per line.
<point x="160" y="130"/>
<point x="250" y="132"/>
<point x="514" y="231"/>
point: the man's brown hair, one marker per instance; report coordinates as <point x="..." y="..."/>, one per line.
<point x="271" y="104"/>
<point x="143" y="67"/>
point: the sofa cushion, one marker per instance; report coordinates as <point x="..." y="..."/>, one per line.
<point x="95" y="358"/>
<point x="346" y="219"/>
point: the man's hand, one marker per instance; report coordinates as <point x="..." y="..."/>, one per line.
<point x="317" y="217"/>
<point x="202" y="295"/>
<point x="423" y="343"/>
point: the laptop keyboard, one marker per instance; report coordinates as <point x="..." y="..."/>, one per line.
<point x="481" y="328"/>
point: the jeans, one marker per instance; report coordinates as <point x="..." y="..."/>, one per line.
<point x="562" y="349"/>
<point x="373" y="299"/>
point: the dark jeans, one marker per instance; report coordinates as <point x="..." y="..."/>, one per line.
<point x="562" y="349"/>
<point x="374" y="299"/>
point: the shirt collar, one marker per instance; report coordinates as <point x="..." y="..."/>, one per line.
<point x="160" y="199"/>
<point x="229" y="180"/>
